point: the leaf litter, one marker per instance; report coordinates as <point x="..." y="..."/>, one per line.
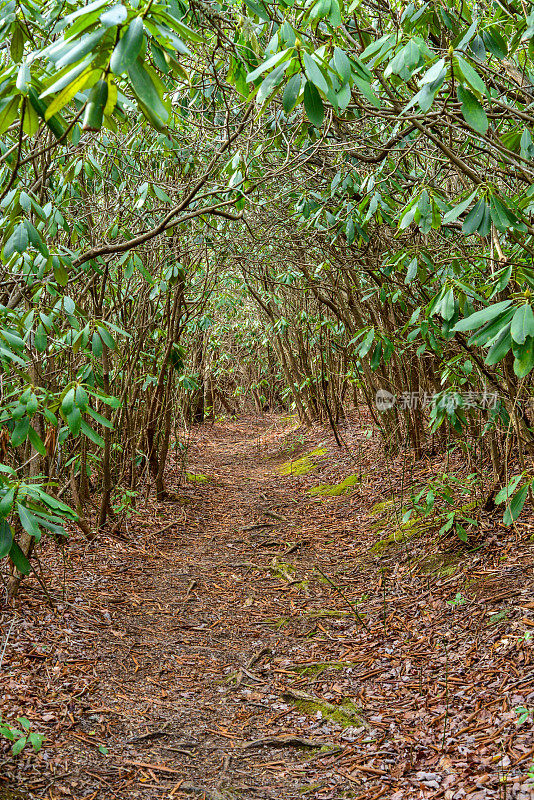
<point x="203" y="653"/>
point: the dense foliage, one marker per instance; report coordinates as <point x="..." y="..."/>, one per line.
<point x="305" y="204"/>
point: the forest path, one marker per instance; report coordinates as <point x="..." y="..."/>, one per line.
<point x="206" y="626"/>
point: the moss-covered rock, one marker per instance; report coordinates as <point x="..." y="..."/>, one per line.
<point x="440" y="563"/>
<point x="397" y="536"/>
<point x="319" y="667"/>
<point x="193" y="477"/>
<point x="282" y="570"/>
<point x="379" y="509"/>
<point x="336" y="489"/>
<point x="302" y="465"/>
<point x="311" y="787"/>
<point x="346" y="714"/>
<point x="407" y="530"/>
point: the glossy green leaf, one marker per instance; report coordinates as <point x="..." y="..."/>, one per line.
<point x="457" y="211"/>
<point x="8" y="111"/>
<point x="472" y="111"/>
<point x="91" y="434"/>
<point x="116" y="15"/>
<point x="475" y="217"/>
<point x="74" y="421"/>
<point x="314" y="73"/>
<point x="18" y="38"/>
<point x="516" y="506"/>
<point x="492" y="329"/>
<point x="447" y="305"/>
<point x="342" y="64"/>
<point x="522" y="324"/>
<point x="479" y="318"/>
<point x="313" y="105"/>
<point x="6" y="502"/>
<point x="23" y="79"/>
<point x="20" y="432"/>
<point x="146" y="91"/>
<point x="66" y="95"/>
<point x="84" y="10"/>
<point x="40" y="108"/>
<point x="94" y="110"/>
<point x="99" y="418"/>
<point x="60" y="273"/>
<point x="524" y="357"/>
<point x="18" y="241"/>
<point x="19" y="746"/>
<point x="96" y="345"/>
<point x="36" y="740"/>
<point x="500" y="348"/>
<point x="19" y="559"/>
<point x="507" y="491"/>
<point x="36" y="441"/>
<point x="291" y="93"/>
<point x="266" y="66"/>
<point x="271" y="82"/>
<point x="6" y="538"/>
<point x="106" y="337"/>
<point x="81" y="398"/>
<point x="471" y="76"/>
<point x="29" y="521"/>
<point x="343" y="97"/>
<point x="365" y="89"/>
<point x="78" y="49"/>
<point x="495" y="43"/>
<point x="461" y="532"/>
<point x="128" y="47"/>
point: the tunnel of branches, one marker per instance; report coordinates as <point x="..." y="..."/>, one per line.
<point x="211" y="210"/>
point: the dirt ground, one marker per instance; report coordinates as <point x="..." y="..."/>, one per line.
<point x="250" y="639"/>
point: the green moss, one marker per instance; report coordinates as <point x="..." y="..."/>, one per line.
<point x="300" y="466"/>
<point x="280" y="622"/>
<point x="468" y="507"/>
<point x="346" y="714"/>
<point x="379" y="509"/>
<point x="443" y="564"/>
<point x="282" y="570"/>
<point x="321" y="666"/>
<point x="389" y="514"/>
<point x="311" y="787"/>
<point x="447" y="570"/>
<point x="197" y="478"/>
<point x="303" y="465"/>
<point x="336" y="489"/>
<point x="499" y="616"/>
<point x="407" y="531"/>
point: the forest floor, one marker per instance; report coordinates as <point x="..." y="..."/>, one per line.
<point x="248" y="639"/>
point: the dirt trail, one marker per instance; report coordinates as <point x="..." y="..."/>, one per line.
<point x="166" y="666"/>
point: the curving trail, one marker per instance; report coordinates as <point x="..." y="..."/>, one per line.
<point x="202" y="653"/>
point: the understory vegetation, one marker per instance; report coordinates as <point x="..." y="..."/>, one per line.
<point x="272" y="205"/>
